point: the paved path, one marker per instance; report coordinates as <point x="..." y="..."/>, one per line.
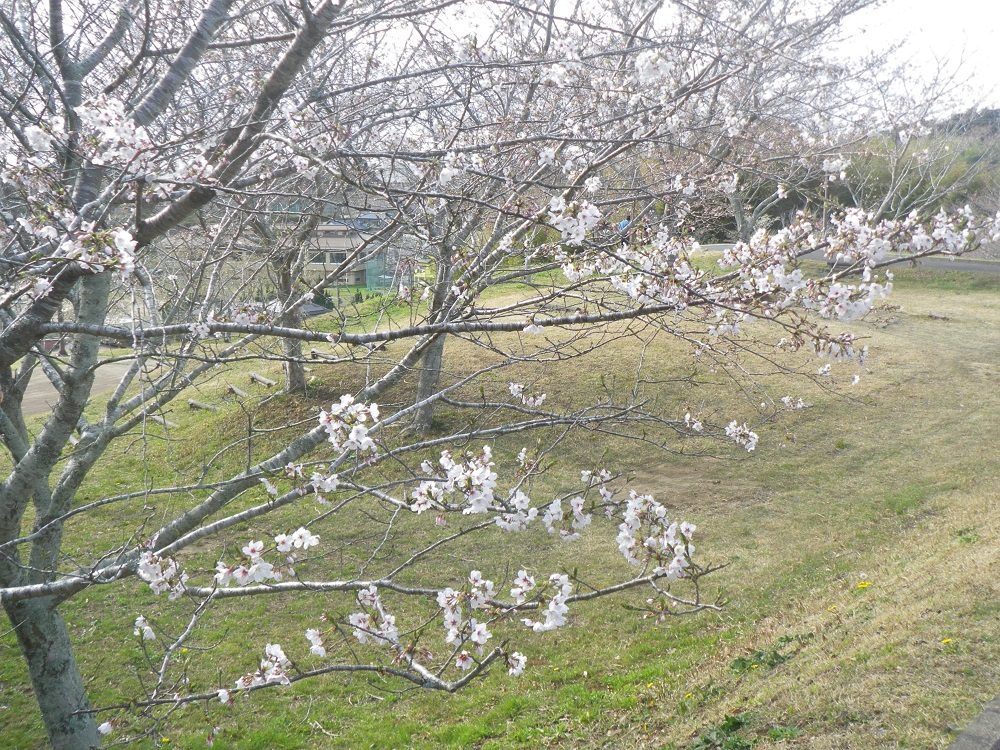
<point x="983" y="733"/>
<point x="40" y="396"/>
<point x="937" y="263"/>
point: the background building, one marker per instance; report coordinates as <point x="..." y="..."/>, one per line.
<point x="336" y="240"/>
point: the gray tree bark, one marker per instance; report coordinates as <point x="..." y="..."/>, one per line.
<point x="286" y="264"/>
<point x="41" y="633"/>
<point x="59" y="690"/>
<point x="430" y="374"/>
<point x="291" y="349"/>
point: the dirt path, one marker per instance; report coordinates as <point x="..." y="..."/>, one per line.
<point x="40" y="396"/>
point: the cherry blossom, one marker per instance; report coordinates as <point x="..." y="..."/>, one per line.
<point x="647" y="536"/>
<point x="162" y="574"/>
<point x="793" y="403"/>
<point x="253" y="549"/>
<point x="304" y="538"/>
<point x="273" y="668"/>
<point x="556" y="611"/>
<point x="532" y="402"/>
<point x="374" y="624"/>
<point x="143" y="629"/>
<point x="345" y="424"/>
<point x="573" y="220"/>
<point x="523" y="584"/>
<point x="517" y="662"/>
<point x="479" y="634"/>
<point x="283" y="543"/>
<point x="315" y="639"/>
<point x="742" y="435"/>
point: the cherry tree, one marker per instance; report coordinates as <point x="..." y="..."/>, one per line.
<point x="155" y="162"/>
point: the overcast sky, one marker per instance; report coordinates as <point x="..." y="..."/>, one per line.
<point x="950" y="31"/>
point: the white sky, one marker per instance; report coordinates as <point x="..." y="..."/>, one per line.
<point x="946" y="31"/>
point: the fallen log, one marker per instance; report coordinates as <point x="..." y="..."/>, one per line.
<point x="201" y="405"/>
<point x="254" y="377"/>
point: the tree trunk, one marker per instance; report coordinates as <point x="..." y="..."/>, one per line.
<point x="744" y="225"/>
<point x="291" y="349"/>
<point x="430" y="373"/>
<point x="295" y="372"/>
<point x="59" y="691"/>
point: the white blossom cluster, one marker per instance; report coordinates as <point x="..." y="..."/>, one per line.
<point x="658" y="273"/>
<point x="323" y="484"/>
<point x="113" y="138"/>
<point x="345" y="424"/>
<point x="317" y="645"/>
<point x="847" y="301"/>
<point x="532" y="402"/>
<point x="857" y="239"/>
<point x="251" y="313"/>
<point x="296" y="471"/>
<point x="556" y="611"/>
<point x="694" y="422"/>
<point x="472" y="476"/>
<point x="655" y="77"/>
<point x="452" y="166"/>
<point x="520" y="513"/>
<point x="143" y="629"/>
<point x="459" y="630"/>
<point x="688" y="189"/>
<point x="547" y="156"/>
<point x="742" y="435"/>
<point x="646" y="536"/>
<point x="573" y="220"/>
<point x="728" y="184"/>
<point x="255" y="569"/>
<point x="162" y="574"/>
<point x="373" y="624"/>
<point x="839" y="348"/>
<point x="576" y="161"/>
<point x="577" y="519"/>
<point x="794" y="403"/>
<point x="274" y="667"/>
<point x="98" y="249"/>
<point x="467" y="636"/>
<point x="834" y="167"/>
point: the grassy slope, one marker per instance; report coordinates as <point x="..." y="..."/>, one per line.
<point x="894" y="487"/>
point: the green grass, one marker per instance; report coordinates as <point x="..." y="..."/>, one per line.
<point x="890" y="483"/>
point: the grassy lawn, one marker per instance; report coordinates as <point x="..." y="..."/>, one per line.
<point x="861" y="539"/>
